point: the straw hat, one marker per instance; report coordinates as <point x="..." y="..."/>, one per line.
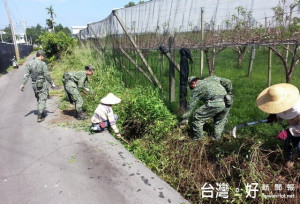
<point x="110" y="99"/>
<point x="277" y="98"/>
<point x="292" y="112"/>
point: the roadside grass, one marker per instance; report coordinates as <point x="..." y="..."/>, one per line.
<point x="255" y="156"/>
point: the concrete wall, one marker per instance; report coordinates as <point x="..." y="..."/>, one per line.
<point x="7" y="52"/>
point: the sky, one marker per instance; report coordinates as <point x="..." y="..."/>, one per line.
<point x="28" y="13"/>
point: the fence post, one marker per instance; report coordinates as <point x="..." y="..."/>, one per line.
<point x="201" y="50"/>
<point x="171" y="70"/>
<point x="162" y="64"/>
<point x="270" y="67"/>
<point x="251" y="60"/>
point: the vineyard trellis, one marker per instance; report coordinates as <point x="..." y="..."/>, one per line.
<point x="207" y="26"/>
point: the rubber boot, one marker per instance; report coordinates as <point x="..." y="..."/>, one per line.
<point x="40" y="118"/>
<point x="81" y="116"/>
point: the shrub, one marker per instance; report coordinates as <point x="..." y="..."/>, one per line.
<point x="56" y="43"/>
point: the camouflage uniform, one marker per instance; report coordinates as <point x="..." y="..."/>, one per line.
<point x="212" y="91"/>
<point x="72" y="82"/>
<point x="38" y="71"/>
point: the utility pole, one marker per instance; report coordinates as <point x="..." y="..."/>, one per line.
<point x="24" y="26"/>
<point x="12" y="31"/>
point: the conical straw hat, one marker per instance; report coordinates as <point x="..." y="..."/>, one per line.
<point x="110" y="99"/>
<point x="277" y="98"/>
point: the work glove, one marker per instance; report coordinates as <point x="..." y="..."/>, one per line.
<point x="272" y="118"/>
<point x="184" y="123"/>
<point x="118" y="135"/>
<point x="282" y="135"/>
<point x="228" y="99"/>
<point x="53" y="86"/>
<point x="22" y="87"/>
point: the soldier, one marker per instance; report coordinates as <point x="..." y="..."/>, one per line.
<point x="216" y="93"/>
<point x="38" y="71"/>
<point x="73" y="83"/>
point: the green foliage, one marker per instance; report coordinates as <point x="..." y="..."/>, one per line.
<point x="7" y="37"/>
<point x="56" y="43"/>
<point x="33" y="33"/>
<point x="66" y="30"/>
<point x="130" y="4"/>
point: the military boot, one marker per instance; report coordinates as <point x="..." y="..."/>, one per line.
<point x="81" y="116"/>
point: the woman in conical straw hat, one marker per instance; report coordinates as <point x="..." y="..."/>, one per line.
<point x="103" y="116"/>
<point x="282" y="102"/>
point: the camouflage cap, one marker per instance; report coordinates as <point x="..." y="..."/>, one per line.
<point x="90" y="68"/>
<point x="40" y="53"/>
<point x="191" y="78"/>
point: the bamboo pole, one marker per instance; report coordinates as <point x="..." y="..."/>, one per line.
<point x="133" y="62"/>
<point x="251" y="60"/>
<point x="270" y="67"/>
<point x="201" y="50"/>
<point x="171" y="70"/>
<point x="136" y="48"/>
<point x="170" y="58"/>
<point x="123" y="67"/>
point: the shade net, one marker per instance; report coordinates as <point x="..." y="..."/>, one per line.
<point x="180" y="16"/>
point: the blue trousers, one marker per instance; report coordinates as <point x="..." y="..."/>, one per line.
<point x="289" y="143"/>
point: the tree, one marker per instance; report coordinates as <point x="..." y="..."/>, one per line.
<point x="33" y="33"/>
<point x="50" y="22"/>
<point x="130" y="4"/>
<point x="287" y="29"/>
<point x="239" y="24"/>
<point x="7" y="37"/>
<point x="66" y="30"/>
<point x="55" y="44"/>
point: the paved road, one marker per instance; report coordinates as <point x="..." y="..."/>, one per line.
<point x="44" y="163"/>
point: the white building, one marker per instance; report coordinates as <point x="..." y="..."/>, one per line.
<point x="76" y="29"/>
<point x="20" y="38"/>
